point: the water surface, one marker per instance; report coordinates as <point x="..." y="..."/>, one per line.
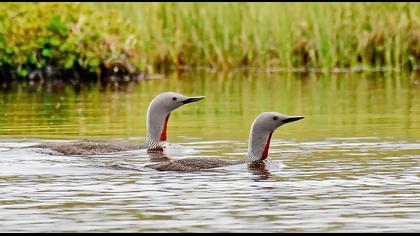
<point x="352" y="165"/>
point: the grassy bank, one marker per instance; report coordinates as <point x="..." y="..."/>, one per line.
<point x="71" y="41"/>
<point x="119" y="40"/>
<point x="291" y="35"/>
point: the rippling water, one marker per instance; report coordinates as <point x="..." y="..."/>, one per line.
<point x="352" y="165"/>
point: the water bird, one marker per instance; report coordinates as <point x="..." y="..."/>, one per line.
<point x="259" y="142"/>
<point x="158" y="114"/>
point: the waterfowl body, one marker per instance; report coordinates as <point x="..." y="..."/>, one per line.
<point x="193" y="164"/>
<point x="157" y="120"/>
<point x="90" y="147"/>
<point x="258" y="145"/>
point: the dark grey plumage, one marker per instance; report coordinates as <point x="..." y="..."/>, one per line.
<point x="90" y="147"/>
<point x="193" y="164"/>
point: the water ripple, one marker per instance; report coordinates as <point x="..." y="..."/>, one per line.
<point x="346" y="185"/>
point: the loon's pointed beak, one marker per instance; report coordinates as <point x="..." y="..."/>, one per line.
<point x="292" y="118"/>
<point x="192" y="99"/>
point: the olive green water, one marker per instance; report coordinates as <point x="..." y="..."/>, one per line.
<point x="352" y="165"/>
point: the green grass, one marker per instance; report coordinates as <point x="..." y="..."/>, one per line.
<point x="290" y="35"/>
<point x="64" y="37"/>
<point x="155" y="37"/>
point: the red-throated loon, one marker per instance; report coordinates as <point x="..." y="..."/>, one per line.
<point x="157" y="120"/>
<point x="259" y="142"/>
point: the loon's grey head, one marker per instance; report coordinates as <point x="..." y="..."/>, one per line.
<point x="261" y="130"/>
<point x="158" y="114"/>
<point x="169" y="101"/>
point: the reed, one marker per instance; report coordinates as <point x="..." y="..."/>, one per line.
<point x="154" y="37"/>
<point x="269" y="35"/>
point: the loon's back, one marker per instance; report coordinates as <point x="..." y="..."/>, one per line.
<point x="191" y="164"/>
<point x="90" y="147"/>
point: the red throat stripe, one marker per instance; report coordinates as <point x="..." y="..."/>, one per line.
<point x="267" y="146"/>
<point x="163" y="134"/>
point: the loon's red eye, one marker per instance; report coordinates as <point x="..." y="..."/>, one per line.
<point x="275" y="117"/>
<point x="174" y="99"/>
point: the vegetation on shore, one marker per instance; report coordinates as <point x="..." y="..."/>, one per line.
<point x="119" y="41"/>
<point x="71" y="41"/>
<point x="270" y="35"/>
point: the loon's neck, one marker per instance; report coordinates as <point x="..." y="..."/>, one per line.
<point x="258" y="144"/>
<point x="157" y="123"/>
